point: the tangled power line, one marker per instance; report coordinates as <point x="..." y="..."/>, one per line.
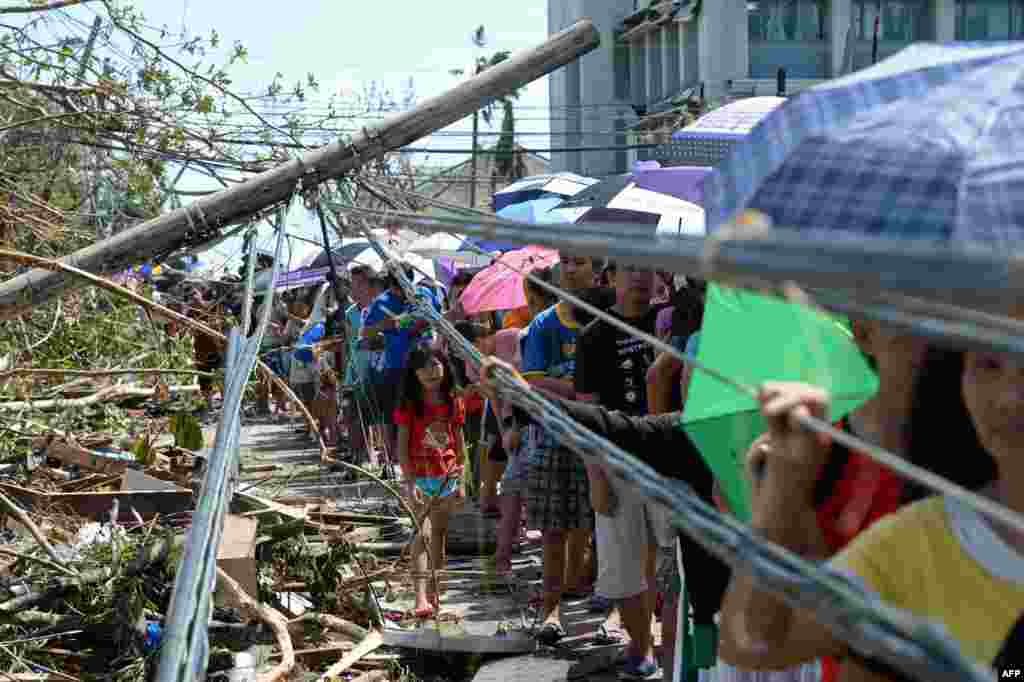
<point x="872" y="628"/>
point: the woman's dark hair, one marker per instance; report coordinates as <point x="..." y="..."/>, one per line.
<point x="460" y="280"/>
<point x="943" y="439"/>
<point x="687" y="310"/>
<point x="546" y="275"/>
<point x="471" y="330"/>
<point x="412" y="390"/>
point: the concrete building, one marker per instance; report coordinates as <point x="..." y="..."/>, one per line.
<point x="654" y="52"/>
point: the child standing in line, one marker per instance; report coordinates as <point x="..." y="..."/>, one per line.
<point x="431" y="453"/>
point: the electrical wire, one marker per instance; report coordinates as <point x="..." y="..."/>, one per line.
<point x="894" y="462"/>
<point x="872" y="628"/>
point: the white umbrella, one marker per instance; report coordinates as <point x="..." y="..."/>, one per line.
<point x="449" y="245"/>
<point x="423" y="266"/>
<point x="439" y="244"/>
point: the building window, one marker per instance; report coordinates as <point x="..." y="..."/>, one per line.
<point x="673" y="66"/>
<point x="638" y="72"/>
<point x="654" y="50"/>
<point x="788" y="20"/>
<point x="902" y="21"/>
<point x="989" y="19"/>
<point x="621" y="67"/>
<point x="789" y="34"/>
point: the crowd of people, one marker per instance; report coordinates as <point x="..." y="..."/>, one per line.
<point x="415" y="410"/>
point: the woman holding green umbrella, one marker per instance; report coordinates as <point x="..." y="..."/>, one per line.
<point x="853" y="492"/>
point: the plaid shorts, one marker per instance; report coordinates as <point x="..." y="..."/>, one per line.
<point x="557" y="489"/>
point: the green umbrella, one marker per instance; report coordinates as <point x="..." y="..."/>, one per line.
<point x="752" y="339"/>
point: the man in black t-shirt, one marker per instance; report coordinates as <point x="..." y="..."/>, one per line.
<point x="611" y="370"/>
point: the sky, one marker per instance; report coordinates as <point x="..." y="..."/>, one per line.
<point x="347" y="44"/>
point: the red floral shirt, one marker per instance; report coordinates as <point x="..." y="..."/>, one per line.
<point x="865" y="492"/>
<point x="432" y="436"/>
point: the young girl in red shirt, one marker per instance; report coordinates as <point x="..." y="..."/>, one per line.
<point x="432" y="453"/>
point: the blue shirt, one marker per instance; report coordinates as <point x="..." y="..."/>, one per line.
<point x="358" y="360"/>
<point x="549" y="345"/>
<point x="397" y="342"/>
<point x="432" y="294"/>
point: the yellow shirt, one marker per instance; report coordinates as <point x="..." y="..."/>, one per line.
<point x="940" y="561"/>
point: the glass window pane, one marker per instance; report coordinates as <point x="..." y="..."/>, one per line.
<point x="989" y="19"/>
<point x="899" y="20"/>
<point x="788" y="20"/>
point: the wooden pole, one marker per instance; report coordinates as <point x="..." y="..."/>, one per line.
<point x="472" y="161"/>
<point x="209" y="214"/>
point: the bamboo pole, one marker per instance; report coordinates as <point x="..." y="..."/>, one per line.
<point x="208" y="214"/>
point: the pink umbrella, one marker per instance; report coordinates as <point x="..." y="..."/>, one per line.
<point x="499" y="286"/>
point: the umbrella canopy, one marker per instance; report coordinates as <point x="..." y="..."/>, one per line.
<point x="668" y="199"/>
<point x="357" y="253"/>
<point x="459" y="248"/>
<point x="923" y="146"/>
<point x="537" y="186"/>
<point x="498" y="287"/>
<point x="341" y="254"/>
<point x="533" y="211"/>
<point x="794" y="343"/>
<point x="732" y="121"/>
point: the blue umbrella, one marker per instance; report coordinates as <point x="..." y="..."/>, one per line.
<point x="539" y="186"/>
<point x="924" y="145"/>
<point x="533" y="211"/>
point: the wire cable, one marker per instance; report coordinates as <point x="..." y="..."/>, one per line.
<point x="871" y="627"/>
<point x="892" y="461"/>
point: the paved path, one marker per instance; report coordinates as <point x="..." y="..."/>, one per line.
<point x="479" y="611"/>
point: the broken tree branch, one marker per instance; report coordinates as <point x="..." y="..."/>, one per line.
<point x="42" y="562"/>
<point x="272" y="618"/>
<point x="148" y="555"/>
<point x="372" y="642"/>
<point x="56" y="4"/>
<point x="166" y="312"/>
<point x="172" y="231"/>
<point x="333" y="623"/>
<point x="26" y="371"/>
<point x="25" y="520"/>
<point x="108" y="394"/>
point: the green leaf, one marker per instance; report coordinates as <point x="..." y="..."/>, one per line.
<point x="205" y="104"/>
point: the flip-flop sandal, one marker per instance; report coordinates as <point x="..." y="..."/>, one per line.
<point x="550" y="634"/>
<point x="607" y="636"/>
<point x="423" y="614"/>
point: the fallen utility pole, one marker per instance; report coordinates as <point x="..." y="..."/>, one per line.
<point x="207" y="215"/>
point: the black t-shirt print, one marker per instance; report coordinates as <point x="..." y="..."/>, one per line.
<point x="613" y="365"/>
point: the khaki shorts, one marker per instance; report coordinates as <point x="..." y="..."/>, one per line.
<point x="623" y="540"/>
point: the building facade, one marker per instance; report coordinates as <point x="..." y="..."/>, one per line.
<point x="653" y="53"/>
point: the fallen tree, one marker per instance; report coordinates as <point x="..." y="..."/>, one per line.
<point x="110" y="394"/>
<point x="152" y="306"/>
